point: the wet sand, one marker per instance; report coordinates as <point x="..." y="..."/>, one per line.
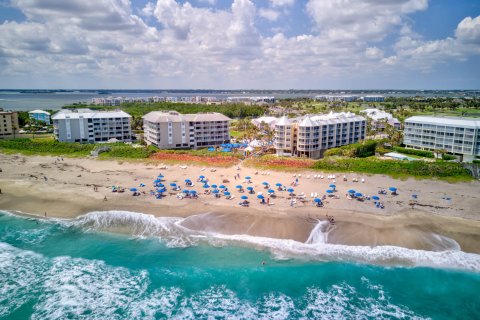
<point x="67" y="192"/>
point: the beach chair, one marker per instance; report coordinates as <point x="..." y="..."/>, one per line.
<point x="321" y="177"/>
<point x="316" y="195"/>
<point x="312" y="195"/>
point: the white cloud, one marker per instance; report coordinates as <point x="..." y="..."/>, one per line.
<point x="360" y="20"/>
<point x="282" y="3"/>
<point x="269" y="14"/>
<point x="468" y="30"/>
<point x="147" y="11"/>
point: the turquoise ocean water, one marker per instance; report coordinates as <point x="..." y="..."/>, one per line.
<point x="74" y="270"/>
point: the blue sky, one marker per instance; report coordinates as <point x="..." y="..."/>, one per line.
<point x="235" y="44"/>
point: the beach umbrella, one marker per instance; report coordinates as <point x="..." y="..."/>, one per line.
<point x="226" y="193"/>
<point x="248" y="177"/>
<point x="161" y="190"/>
<point x="260" y="196"/>
<point x="332" y="186"/>
<point x="375" y="198"/>
<point x="142" y="185"/>
<point x="157" y="181"/>
<point x="185" y="191"/>
<point x="250" y="188"/>
<point x="222" y="187"/>
<point x="271" y="191"/>
<point x="188" y="180"/>
<point x="414" y="196"/>
<point x="206" y="186"/>
<point x="393" y="189"/>
<point x="278" y="184"/>
<point x="214" y="186"/>
<point x="173" y="184"/>
<point x="239" y="187"/>
<point x="358" y="194"/>
<point x="161" y="176"/>
<point x="265" y="183"/>
<point x="161" y="185"/>
<point x="193" y="191"/>
<point x="215" y="191"/>
<point x="351" y="191"/>
<point x="244" y="197"/>
<point x="329" y="191"/>
<point x="317" y="200"/>
<point x="291" y="190"/>
<point x="133" y="189"/>
<point x="201" y="177"/>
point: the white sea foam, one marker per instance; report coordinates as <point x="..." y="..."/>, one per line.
<point x="316" y="248"/>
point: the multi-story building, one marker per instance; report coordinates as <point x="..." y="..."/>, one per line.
<point x="85" y="125"/>
<point x="8" y="124"/>
<point x="458" y="136"/>
<point x="332" y="98"/>
<point x="40" y="115"/>
<point x="172" y="130"/>
<point x="310" y="136"/>
<point x="380" y="118"/>
<point x="373" y="98"/>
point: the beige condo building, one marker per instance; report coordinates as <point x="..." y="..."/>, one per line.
<point x="8" y="124"/>
<point x="172" y="130"/>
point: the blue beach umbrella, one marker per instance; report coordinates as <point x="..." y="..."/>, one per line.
<point x="248" y="178"/>
<point x="239" y="187"/>
<point x="161" y="185"/>
<point x="332" y="186"/>
<point x="317" y="200"/>
<point x="393" y="189"/>
<point x="185" y="191"/>
<point x="358" y="194"/>
<point x="214" y="186"/>
<point x="265" y="183"/>
<point x="250" y="188"/>
<point x="329" y="191"/>
<point x="215" y="191"/>
<point x="206" y="186"/>
<point x="157" y="181"/>
<point x="271" y="191"/>
<point x="188" y="180"/>
<point x="173" y="184"/>
<point x="260" y="196"/>
<point x="244" y="197"/>
<point x="133" y="189"/>
<point x="375" y="198"/>
<point x="201" y="177"/>
<point x="222" y="187"/>
<point x="278" y="184"/>
<point x="193" y="191"/>
<point x="351" y="191"/>
<point x="291" y="190"/>
<point x="161" y="190"/>
<point x="226" y="193"/>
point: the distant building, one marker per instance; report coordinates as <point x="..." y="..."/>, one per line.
<point x="310" y="136"/>
<point x="265" y="121"/>
<point x="252" y="100"/>
<point x="373" y="98"/>
<point x="172" y="130"/>
<point x="85" y="125"/>
<point x="332" y="98"/>
<point x="8" y="124"/>
<point x="40" y="115"/>
<point x="458" y="136"/>
<point x="380" y="118"/>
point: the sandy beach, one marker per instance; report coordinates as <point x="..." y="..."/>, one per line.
<point x="65" y="189"/>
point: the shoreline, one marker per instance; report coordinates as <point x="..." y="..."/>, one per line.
<point x="68" y="193"/>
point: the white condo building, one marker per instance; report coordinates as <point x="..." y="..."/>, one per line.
<point x="172" y="130"/>
<point x="85" y="125"/>
<point x="379" y="117"/>
<point x="310" y="136"/>
<point x="458" y="136"/>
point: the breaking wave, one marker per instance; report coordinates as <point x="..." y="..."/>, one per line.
<point x="316" y="248"/>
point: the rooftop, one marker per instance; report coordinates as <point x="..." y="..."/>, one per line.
<point x="39" y="111"/>
<point x="173" y="116"/>
<point x="451" y="121"/>
<point x="88" y="113"/>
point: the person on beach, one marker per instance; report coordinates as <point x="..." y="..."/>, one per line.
<point x="45" y="214"/>
<point x="0" y="191"/>
<point x="268" y="201"/>
<point x="105" y="198"/>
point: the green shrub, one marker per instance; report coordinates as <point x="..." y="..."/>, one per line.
<point x="476" y="161"/>
<point x="354" y="150"/>
<point x="420" y="153"/>
<point x="47" y="147"/>
<point x="394" y="167"/>
<point x="448" y="157"/>
<point x="126" y="151"/>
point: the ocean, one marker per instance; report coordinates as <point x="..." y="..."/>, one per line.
<point x="27" y="100"/>
<point x="151" y="268"/>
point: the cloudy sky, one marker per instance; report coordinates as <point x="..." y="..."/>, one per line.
<point x="230" y="44"/>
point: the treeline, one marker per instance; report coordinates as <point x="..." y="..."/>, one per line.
<point x="139" y="109"/>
